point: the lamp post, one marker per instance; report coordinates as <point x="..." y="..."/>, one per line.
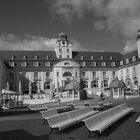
<point x="0" y="97"/>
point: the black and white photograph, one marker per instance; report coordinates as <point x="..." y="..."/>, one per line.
<point x="69" y="69"/>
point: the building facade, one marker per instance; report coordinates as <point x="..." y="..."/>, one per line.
<point x="30" y="72"/>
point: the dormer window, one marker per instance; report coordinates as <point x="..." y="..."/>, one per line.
<point x="81" y="57"/>
<point x="47" y="64"/>
<point x="134" y="58"/>
<point x="111" y="57"/>
<point x="13" y="57"/>
<point x="103" y="64"/>
<point x="93" y="64"/>
<point x="47" y="57"/>
<point x="113" y="64"/>
<point x="24" y="57"/>
<point x="35" y="64"/>
<point x="101" y="57"/>
<point x="121" y="62"/>
<point x="36" y="57"/>
<point x="24" y="64"/>
<point x="92" y="57"/>
<point x="83" y="63"/>
<point x="11" y="64"/>
<point x="127" y="61"/>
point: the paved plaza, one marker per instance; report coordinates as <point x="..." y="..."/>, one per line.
<point x="29" y="126"/>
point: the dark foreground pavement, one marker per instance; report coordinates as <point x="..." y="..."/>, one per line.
<point x="30" y="127"/>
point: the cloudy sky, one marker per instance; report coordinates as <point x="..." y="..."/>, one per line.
<point x="92" y="25"/>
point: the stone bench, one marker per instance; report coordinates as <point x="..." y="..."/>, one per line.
<point x="64" y="120"/>
<point x="101" y="121"/>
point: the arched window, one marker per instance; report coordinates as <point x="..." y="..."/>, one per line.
<point x="135" y="81"/>
<point x="94" y="84"/>
<point x="104" y="83"/>
<point x="85" y="84"/>
<point x="67" y="74"/>
<point x="128" y="82"/>
<point x="47" y="85"/>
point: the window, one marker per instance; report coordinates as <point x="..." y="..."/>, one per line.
<point x="60" y="56"/>
<point x="47" y="85"/>
<point x="94" y="74"/>
<point x="127" y="72"/>
<point x="134" y="58"/>
<point x="81" y="57"/>
<point x="57" y="74"/>
<point x="35" y="64"/>
<point x="24" y="64"/>
<point x="11" y="76"/>
<point x="104" y="74"/>
<point x="68" y="50"/>
<point x="134" y="70"/>
<point x="121" y="62"/>
<point x="83" y="74"/>
<point x="83" y="63"/>
<point x="76" y="74"/>
<point x="127" y="61"/>
<point x="105" y="83"/>
<point x="23" y="76"/>
<point x="36" y="57"/>
<point x="92" y="57"/>
<point x="103" y="64"/>
<point x="47" y="57"/>
<point x="113" y="74"/>
<point x="68" y="56"/>
<point x="47" y="64"/>
<point x="101" y="57"/>
<point x="111" y="57"/>
<point x="67" y="74"/>
<point x="128" y="82"/>
<point x="47" y="75"/>
<point x="11" y="64"/>
<point x="113" y="64"/>
<point x="60" y="50"/>
<point x="13" y="57"/>
<point x="66" y="63"/>
<point x="85" y="84"/>
<point x="93" y="64"/>
<point x="12" y="86"/>
<point x="121" y="73"/>
<point x="94" y="84"/>
<point x="24" y="57"/>
<point x="36" y="75"/>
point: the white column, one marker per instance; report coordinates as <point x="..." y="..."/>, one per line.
<point x="30" y="88"/>
<point x="19" y="87"/>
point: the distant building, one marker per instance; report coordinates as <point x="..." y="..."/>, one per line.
<point x="34" y="71"/>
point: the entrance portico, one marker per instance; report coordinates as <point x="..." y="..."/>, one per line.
<point x="64" y="71"/>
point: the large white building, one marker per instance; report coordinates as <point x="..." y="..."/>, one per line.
<point x="44" y="71"/>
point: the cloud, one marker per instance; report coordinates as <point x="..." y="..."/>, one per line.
<point x="14" y="42"/>
<point x="28" y="42"/>
<point x="76" y="46"/>
<point x="99" y="25"/>
<point x="130" y="46"/>
<point x="118" y="16"/>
